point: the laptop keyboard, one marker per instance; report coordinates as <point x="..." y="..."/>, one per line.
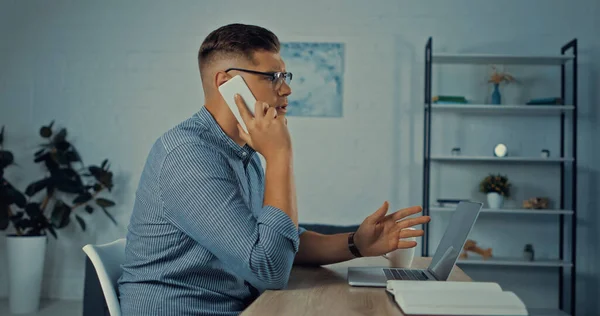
<point x="404" y="274"/>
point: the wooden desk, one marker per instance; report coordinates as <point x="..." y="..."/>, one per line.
<point x="325" y="291"/>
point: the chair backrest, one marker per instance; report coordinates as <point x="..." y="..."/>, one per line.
<point x="107" y="260"/>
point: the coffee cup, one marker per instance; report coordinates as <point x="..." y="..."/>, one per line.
<point x="402" y="258"/>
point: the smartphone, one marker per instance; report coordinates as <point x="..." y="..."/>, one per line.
<point x="228" y="91"/>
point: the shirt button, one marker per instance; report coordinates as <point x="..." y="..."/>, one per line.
<point x="244" y="154"/>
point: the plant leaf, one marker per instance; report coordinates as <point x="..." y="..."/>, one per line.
<point x="50" y="162"/>
<point x="13" y="196"/>
<point x="89" y="209"/>
<point x="104" y="163"/>
<point x="39" y="152"/>
<point x="6" y="158"/>
<point x="67" y="180"/>
<point x="43" y="157"/>
<point x="63" y="145"/>
<point x="37" y="186"/>
<point x="106" y="180"/>
<point x="4" y="220"/>
<point x="45" y="132"/>
<point x="60" y="136"/>
<point x="50" y="189"/>
<point x="60" y="214"/>
<point x="97" y="187"/>
<point x="33" y="211"/>
<point x="82" y="198"/>
<point x="109" y="216"/>
<point x="104" y="202"/>
<point x="52" y="231"/>
<point x="81" y="221"/>
<point x="2" y="135"/>
<point x="72" y="156"/>
<point x="95" y="171"/>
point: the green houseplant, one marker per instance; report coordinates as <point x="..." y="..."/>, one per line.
<point x="497" y="187"/>
<point x="47" y="204"/>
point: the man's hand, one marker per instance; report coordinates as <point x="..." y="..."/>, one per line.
<point x="267" y="132"/>
<point x="379" y="234"/>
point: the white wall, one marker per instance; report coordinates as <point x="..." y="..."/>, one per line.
<point x="118" y="74"/>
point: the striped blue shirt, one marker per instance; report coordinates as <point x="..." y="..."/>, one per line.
<point x="200" y="241"/>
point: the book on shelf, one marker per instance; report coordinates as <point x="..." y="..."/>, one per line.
<point x="454" y="298"/>
<point x="545" y="101"/>
<point x="449" y="99"/>
<point x="448" y="202"/>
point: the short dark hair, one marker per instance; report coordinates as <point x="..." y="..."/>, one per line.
<point x="236" y="40"/>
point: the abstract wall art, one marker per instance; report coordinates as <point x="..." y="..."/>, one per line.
<point x="317" y="85"/>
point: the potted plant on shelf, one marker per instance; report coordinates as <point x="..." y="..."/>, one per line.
<point x="497" y="78"/>
<point x="31" y="219"/>
<point x="497" y="187"/>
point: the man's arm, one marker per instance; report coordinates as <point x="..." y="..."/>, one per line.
<point x="378" y="234"/>
<point x="319" y="249"/>
<point x="201" y="197"/>
<point x="280" y="191"/>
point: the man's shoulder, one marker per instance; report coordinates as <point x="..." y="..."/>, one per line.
<point x="190" y="143"/>
<point x="188" y="132"/>
<point x="187" y="148"/>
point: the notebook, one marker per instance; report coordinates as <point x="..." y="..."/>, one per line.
<point x="454" y="298"/>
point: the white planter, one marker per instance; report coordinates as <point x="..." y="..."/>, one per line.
<point x="26" y="256"/>
<point x="495" y="200"/>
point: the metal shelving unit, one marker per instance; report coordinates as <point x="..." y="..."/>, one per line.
<point x="563" y="263"/>
<point x="509" y="211"/>
<point x="500" y="160"/>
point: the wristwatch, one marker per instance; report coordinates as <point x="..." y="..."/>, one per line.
<point x="352" y="246"/>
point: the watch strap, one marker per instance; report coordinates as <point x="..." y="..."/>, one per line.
<point x="352" y="246"/>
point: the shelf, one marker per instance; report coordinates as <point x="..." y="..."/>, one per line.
<point x="546" y="312"/>
<point x="500" y="159"/>
<point x="489" y="108"/>
<point x="515" y="262"/>
<point x="511" y="211"/>
<point x="442" y="58"/>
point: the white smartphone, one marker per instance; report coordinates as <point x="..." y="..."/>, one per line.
<point x="228" y="91"/>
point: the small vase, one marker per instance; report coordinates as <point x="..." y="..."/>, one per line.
<point x="495" y="200"/>
<point x="528" y="252"/>
<point x="496" y="98"/>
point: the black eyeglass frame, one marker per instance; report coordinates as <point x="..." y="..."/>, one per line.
<point x="275" y="75"/>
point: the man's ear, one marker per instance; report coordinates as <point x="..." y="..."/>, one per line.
<point x="221" y="77"/>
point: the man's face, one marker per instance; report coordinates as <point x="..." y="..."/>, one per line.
<point x="264" y="87"/>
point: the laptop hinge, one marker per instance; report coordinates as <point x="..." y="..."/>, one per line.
<point x="433" y="273"/>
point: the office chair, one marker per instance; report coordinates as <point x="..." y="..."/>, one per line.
<point x="107" y="260"/>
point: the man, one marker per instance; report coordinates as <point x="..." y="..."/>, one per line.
<point x="210" y="230"/>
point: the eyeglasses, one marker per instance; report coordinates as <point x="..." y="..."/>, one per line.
<point x="277" y="77"/>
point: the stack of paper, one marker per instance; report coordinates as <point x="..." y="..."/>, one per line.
<point x="454" y="298"/>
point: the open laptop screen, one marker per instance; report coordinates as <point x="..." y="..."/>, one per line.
<point x="454" y="238"/>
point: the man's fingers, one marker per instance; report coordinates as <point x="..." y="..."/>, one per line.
<point x="404" y="244"/>
<point x="271" y="113"/>
<point x="406" y="212"/>
<point x="260" y="109"/>
<point x="409" y="222"/>
<point x="408" y="233"/>
<point x="380" y="213"/>
<point x="243" y="108"/>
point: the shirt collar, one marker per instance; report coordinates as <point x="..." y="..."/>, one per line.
<point x="243" y="152"/>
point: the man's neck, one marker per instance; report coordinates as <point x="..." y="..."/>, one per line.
<point x="225" y="119"/>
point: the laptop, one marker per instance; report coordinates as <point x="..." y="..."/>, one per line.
<point x="443" y="260"/>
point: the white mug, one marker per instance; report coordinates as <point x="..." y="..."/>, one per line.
<point x="402" y="258"/>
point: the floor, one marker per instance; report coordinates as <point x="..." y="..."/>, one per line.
<point x="48" y="308"/>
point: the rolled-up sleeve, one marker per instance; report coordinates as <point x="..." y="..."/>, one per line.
<point x="202" y="197"/>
